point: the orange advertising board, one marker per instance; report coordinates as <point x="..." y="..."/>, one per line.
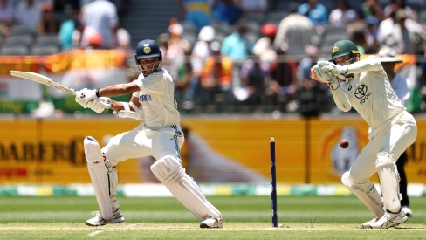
<point x="51" y="151"/>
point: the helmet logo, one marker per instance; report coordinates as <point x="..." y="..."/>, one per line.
<point x="335" y="49"/>
<point x="146" y="49"/>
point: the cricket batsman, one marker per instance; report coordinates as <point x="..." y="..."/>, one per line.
<point x="364" y="85"/>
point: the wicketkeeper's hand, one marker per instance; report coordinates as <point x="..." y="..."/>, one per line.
<point x="83" y="96"/>
<point x="326" y="77"/>
<point x="98" y="105"/>
<point x="336" y="70"/>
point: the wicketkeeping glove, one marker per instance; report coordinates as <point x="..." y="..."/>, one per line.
<point x="325" y="77"/>
<point x="336" y="70"/>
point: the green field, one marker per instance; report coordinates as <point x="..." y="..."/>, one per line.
<point x="245" y="217"/>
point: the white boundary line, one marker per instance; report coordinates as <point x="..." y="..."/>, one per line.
<point x="94" y="233"/>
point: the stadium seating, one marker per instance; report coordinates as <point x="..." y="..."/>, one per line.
<point x="43" y="50"/>
<point x="47" y="40"/>
<point x="18" y="40"/>
<point x="14" y="50"/>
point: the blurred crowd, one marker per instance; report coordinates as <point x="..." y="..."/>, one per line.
<point x="77" y="24"/>
<point x="228" y="55"/>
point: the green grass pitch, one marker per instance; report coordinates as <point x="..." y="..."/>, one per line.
<point x="245" y="217"/>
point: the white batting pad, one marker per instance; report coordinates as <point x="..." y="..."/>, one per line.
<point x="367" y="193"/>
<point x="98" y="173"/>
<point x="113" y="182"/>
<point x="389" y="181"/>
<point x="170" y="172"/>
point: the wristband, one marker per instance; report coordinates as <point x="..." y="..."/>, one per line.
<point x="97" y="93"/>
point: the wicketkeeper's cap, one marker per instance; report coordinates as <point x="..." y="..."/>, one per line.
<point x="343" y="48"/>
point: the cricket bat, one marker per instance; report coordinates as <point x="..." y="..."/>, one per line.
<point x="36" y="77"/>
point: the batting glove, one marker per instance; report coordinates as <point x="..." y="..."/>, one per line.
<point x="84" y="95"/>
<point x="98" y="105"/>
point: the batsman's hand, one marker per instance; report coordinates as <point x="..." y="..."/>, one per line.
<point x="83" y="96"/>
<point x="98" y="105"/>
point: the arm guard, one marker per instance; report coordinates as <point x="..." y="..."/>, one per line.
<point x="137" y="114"/>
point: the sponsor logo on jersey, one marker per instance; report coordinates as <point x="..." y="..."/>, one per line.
<point x="144" y="98"/>
<point x="350" y="87"/>
<point x="362" y="93"/>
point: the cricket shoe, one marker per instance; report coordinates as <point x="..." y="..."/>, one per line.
<point x="389" y="220"/>
<point x="97" y="220"/>
<point x="367" y="224"/>
<point x="407" y="211"/>
<point x="212" y="222"/>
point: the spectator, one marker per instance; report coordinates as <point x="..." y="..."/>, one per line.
<point x="101" y="16"/>
<point x="372" y="8"/>
<point x="66" y="30"/>
<point x="237" y="46"/>
<point x="316" y="12"/>
<point x="7" y="17"/>
<point x="402" y="39"/>
<point x="184" y="71"/>
<point x="61" y="7"/>
<point x="343" y="15"/>
<point x="216" y="79"/>
<point x="48" y="23"/>
<point x="253" y="76"/>
<point x="122" y="39"/>
<point x="395" y="5"/>
<point x="263" y="47"/>
<point x="247" y="6"/>
<point x="358" y="38"/>
<point x="196" y="12"/>
<point x="283" y="81"/>
<point x="386" y="27"/>
<point x="225" y="11"/>
<point x="28" y="12"/>
<point x="199" y="54"/>
<point x="373" y="45"/>
<point x="296" y="31"/>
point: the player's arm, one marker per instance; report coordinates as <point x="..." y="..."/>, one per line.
<point x="131" y="109"/>
<point x="118" y="90"/>
<point x="370" y="64"/>
<point x="341" y="100"/>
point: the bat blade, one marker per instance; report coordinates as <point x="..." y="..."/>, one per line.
<point x="36" y="77"/>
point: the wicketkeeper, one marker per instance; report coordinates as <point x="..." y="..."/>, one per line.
<point x="364" y="85"/>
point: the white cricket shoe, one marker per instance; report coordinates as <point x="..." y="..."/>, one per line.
<point x="407" y="211"/>
<point x="367" y="224"/>
<point x="97" y="220"/>
<point x="389" y="220"/>
<point x="211" y="222"/>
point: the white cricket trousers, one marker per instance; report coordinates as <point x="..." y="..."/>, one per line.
<point x="393" y="138"/>
<point x="143" y="141"/>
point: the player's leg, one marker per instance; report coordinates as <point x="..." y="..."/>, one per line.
<point x="357" y="180"/>
<point x="168" y="169"/>
<point x="99" y="175"/>
<point x="121" y="147"/>
<point x="405" y="201"/>
<point x="399" y="138"/>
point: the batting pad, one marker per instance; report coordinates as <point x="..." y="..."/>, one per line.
<point x="367" y="193"/>
<point x="99" y="175"/>
<point x="170" y="172"/>
<point x="113" y="182"/>
<point x="389" y="181"/>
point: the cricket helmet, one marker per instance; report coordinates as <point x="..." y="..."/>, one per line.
<point x="147" y="48"/>
<point x="343" y="48"/>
